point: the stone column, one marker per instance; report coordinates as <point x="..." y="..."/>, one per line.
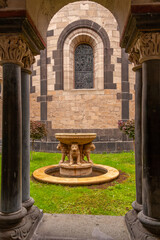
<point x="12" y="51"/>
<point x="134" y="57"/>
<point x="17" y="221"/>
<point x="149" y="48"/>
<point x="25" y="91"/>
<point x="137" y="205"/>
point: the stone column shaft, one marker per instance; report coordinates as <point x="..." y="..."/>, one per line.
<point x="137" y="205"/>
<point x="11" y="197"/>
<point x="148" y="46"/>
<point x="151" y="138"/>
<point x="25" y="135"/>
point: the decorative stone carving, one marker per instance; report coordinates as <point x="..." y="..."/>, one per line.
<point x="134" y="57"/>
<point x="3" y="4"/>
<point x="22" y="230"/>
<point x="28" y="59"/>
<point x="136" y="230"/>
<point x="87" y="148"/>
<point x="148" y="46"/>
<point x="15" y="49"/>
<point x="75" y="156"/>
<point x="75" y="146"/>
<point x="64" y="150"/>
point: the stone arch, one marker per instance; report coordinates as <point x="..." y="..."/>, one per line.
<point x="78" y="36"/>
<point x="58" y="54"/>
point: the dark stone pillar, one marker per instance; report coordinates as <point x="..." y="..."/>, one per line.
<point x="11" y="138"/>
<point x="137" y="205"/>
<point x="11" y="185"/>
<point x="25" y="87"/>
<point x="150" y="216"/>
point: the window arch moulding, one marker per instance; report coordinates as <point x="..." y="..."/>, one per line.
<point x="107" y="51"/>
<point x="72" y="41"/>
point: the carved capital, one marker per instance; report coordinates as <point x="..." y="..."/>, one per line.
<point x="14" y="49"/>
<point x="134" y="57"/>
<point x="28" y="59"/>
<point x="148" y="46"/>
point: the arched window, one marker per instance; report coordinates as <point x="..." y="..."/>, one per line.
<point x="83" y="66"/>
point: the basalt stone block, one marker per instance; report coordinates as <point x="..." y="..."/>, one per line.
<point x="33" y="73"/>
<point x="43" y="87"/>
<point x="50" y="33"/>
<point x="49" y="147"/>
<point x="44" y="111"/>
<point x="38" y="62"/>
<point x="32" y="89"/>
<point x="48" y="60"/>
<point x="119" y="60"/>
<point x="111" y="146"/>
<point x="37" y="146"/>
<point x="100" y="147"/>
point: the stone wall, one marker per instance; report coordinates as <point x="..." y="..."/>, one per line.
<point x="71" y="108"/>
<point x="53" y="98"/>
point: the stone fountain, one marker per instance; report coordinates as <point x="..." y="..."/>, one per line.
<point x="75" y="147"/>
<point x="76" y="167"/>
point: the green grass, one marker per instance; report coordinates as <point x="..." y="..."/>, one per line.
<point x="115" y="200"/>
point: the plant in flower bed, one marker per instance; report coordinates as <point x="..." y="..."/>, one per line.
<point x="127" y="127"/>
<point x="37" y="132"/>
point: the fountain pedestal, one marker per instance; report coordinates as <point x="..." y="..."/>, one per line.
<point x="75" y="170"/>
<point x="75" y="146"/>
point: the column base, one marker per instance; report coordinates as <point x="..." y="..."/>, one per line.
<point x="136" y="229"/>
<point x="12" y="218"/>
<point x="152" y="224"/>
<point x="24" y="229"/>
<point x="137" y="207"/>
<point x="28" y="204"/>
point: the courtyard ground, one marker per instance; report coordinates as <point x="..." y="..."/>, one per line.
<point x="113" y="198"/>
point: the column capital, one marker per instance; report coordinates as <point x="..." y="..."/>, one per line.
<point x="14" y="49"/>
<point x="134" y="57"/>
<point x="148" y="46"/>
<point x="28" y="60"/>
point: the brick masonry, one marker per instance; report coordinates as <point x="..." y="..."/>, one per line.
<point x="100" y="108"/>
<point x="70" y="109"/>
<point x="107" y="141"/>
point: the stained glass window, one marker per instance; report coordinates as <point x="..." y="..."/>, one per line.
<point x="83" y="66"/>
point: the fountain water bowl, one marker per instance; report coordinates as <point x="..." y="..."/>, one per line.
<point x="76" y="170"/>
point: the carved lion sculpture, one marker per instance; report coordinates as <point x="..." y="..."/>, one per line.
<point x="75" y="154"/>
<point x="65" y="151"/>
<point x="86" y="151"/>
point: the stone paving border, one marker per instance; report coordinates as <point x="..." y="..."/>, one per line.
<point x="41" y="176"/>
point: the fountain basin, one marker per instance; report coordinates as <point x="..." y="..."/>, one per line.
<point x="44" y="175"/>
<point x="79" y="138"/>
